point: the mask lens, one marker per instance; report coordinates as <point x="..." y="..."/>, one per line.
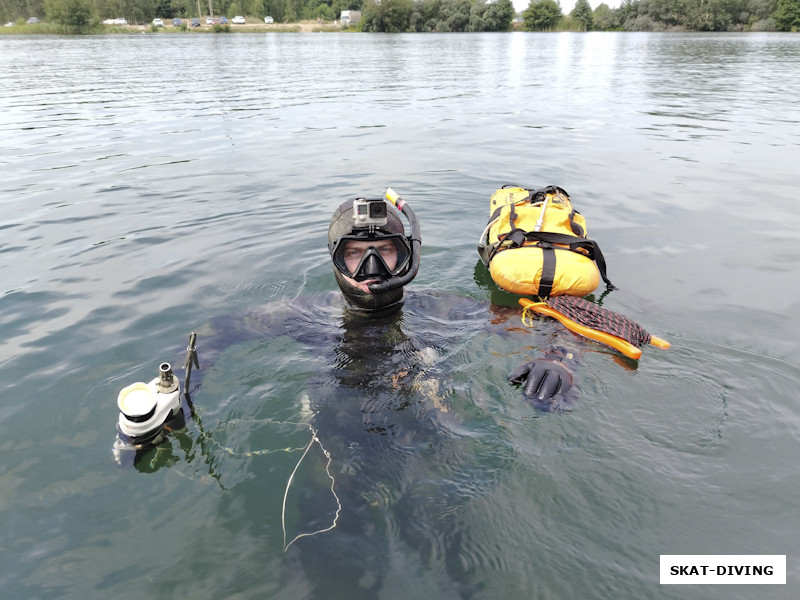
<point x="379" y="258"/>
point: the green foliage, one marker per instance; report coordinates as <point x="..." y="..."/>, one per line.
<point x="437" y="15"/>
<point x="80" y="16"/>
<point x="74" y="16"/>
<point x="542" y="15"/>
<point x="582" y="13"/>
<point x="787" y="15"/>
<point x="325" y="12"/>
<point x="709" y="15"/>
<point x="494" y="16"/>
<point x="163" y="9"/>
<point x="605" y="19"/>
<point x="390" y="16"/>
<point x="453" y="15"/>
<point x="694" y="15"/>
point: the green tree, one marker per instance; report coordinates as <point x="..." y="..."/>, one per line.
<point x="163" y="9"/>
<point x="477" y="14"/>
<point x="390" y="16"/>
<point x="582" y="13"/>
<point x="669" y="13"/>
<point x="428" y="11"/>
<point x="74" y="16"/>
<point x="32" y="8"/>
<point x="761" y="9"/>
<point x="324" y="12"/>
<point x="708" y="15"/>
<point x="604" y="18"/>
<point x="542" y="15"/>
<point x="499" y="15"/>
<point x="787" y="15"/>
<point x="454" y="15"/>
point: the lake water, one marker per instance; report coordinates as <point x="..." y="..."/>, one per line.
<point x="154" y="183"/>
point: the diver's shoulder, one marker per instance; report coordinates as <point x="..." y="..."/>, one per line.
<point x="285" y="316"/>
<point x="437" y="303"/>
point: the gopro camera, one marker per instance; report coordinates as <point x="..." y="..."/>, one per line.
<point x="369" y="212"/>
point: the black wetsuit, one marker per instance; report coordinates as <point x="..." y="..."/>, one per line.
<point x="387" y="401"/>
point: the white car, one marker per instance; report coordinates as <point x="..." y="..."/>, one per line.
<point x="158" y="22"/>
<point x="209" y="21"/>
<point x="238" y="20"/>
<point x="120" y="21"/>
<point x="269" y="20"/>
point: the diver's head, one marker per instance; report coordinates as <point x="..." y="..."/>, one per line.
<point x="372" y="257"/>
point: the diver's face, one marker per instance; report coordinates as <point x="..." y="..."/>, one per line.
<point x="354" y="251"/>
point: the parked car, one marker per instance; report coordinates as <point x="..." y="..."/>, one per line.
<point x="158" y="22"/>
<point x="120" y="21"/>
<point x="223" y="20"/>
<point x="238" y="20"/>
<point x="195" y="22"/>
<point x="33" y="21"/>
<point x="176" y="22"/>
<point x="269" y="20"/>
<point x="209" y="21"/>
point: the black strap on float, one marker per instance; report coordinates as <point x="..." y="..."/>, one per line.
<point x="547" y="241"/>
<point x="513" y="213"/>
<point x="576" y="229"/>
<point x="548" y="269"/>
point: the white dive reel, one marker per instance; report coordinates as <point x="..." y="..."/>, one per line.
<point x="146" y="409"/>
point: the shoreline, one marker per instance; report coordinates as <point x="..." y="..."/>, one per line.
<point x="250" y="26"/>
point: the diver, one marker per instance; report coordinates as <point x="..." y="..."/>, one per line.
<point x="386" y="395"/>
<point x="373" y="259"/>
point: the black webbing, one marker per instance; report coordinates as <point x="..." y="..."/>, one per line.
<point x="548" y="270"/>
<point x="590" y="247"/>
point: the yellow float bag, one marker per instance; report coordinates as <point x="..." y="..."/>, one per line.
<point x="535" y="244"/>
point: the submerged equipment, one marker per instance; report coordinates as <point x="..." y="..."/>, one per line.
<point x="536" y="244"/>
<point x="145" y="408"/>
<point x="367" y="242"/>
<point x="600" y="324"/>
<point x="149" y="411"/>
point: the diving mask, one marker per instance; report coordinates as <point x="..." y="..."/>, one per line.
<point x="366" y="255"/>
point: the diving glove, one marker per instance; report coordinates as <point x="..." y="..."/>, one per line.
<point x="548" y="382"/>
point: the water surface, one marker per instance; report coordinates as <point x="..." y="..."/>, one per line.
<point x="153" y="183"/>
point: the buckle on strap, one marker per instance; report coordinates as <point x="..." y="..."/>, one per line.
<point x="514" y="238"/>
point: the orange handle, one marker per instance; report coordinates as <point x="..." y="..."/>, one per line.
<point x="615" y="342"/>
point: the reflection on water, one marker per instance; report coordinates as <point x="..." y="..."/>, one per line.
<point x="152" y="184"/>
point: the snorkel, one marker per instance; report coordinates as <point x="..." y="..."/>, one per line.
<point x="415" y="239"/>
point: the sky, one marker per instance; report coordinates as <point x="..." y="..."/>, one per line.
<point x="566" y="5"/>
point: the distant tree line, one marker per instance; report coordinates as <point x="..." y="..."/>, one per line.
<point x="666" y="15"/>
<point x="435" y="15"/>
